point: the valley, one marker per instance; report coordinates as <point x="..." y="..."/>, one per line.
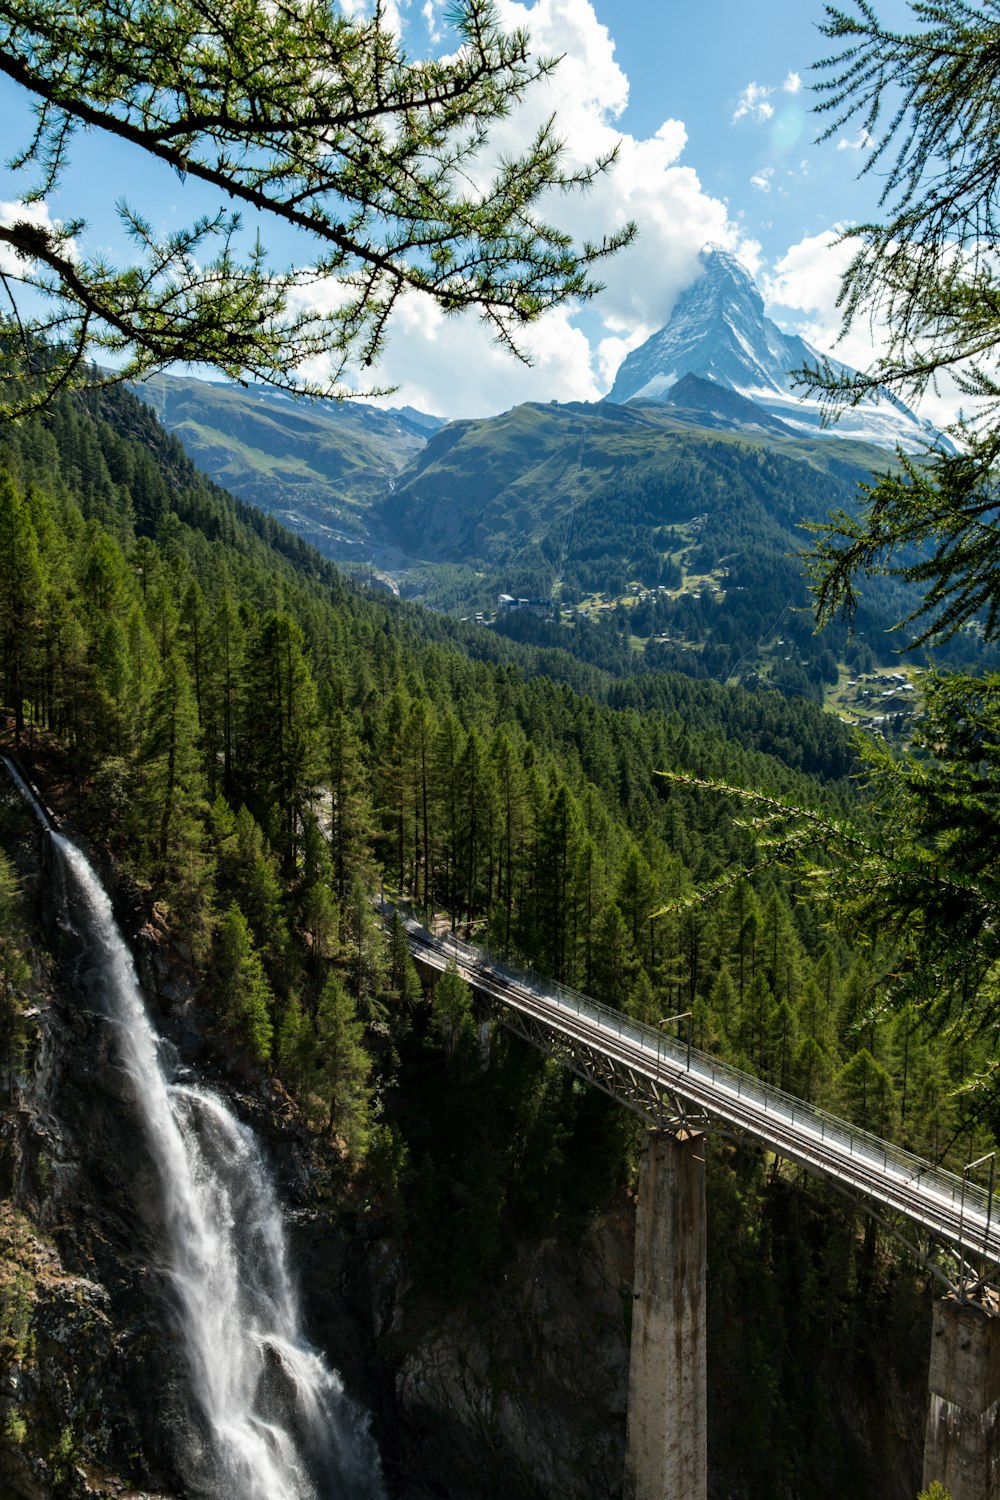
<point x="666" y="533"/>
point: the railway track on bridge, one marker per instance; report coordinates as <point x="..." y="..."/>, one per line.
<point x="674" y="1085"/>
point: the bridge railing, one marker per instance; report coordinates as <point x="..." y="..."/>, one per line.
<point x="704" y="1067"/>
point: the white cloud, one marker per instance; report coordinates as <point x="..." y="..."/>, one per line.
<point x="392" y="12"/>
<point x="753" y="102"/>
<point x="806" y="280"/>
<point x="449" y="365"/>
<point x="863" y="141"/>
<point x="431" y="11"/>
<point x="792" y="84"/>
<point x="762" y="179"/>
<point x="12" y="211"/>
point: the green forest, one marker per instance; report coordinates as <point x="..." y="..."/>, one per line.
<point x="661" y="545"/>
<point x="258" y="748"/>
<point x="263" y="746"/>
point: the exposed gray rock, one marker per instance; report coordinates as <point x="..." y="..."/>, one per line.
<point x="523" y="1393"/>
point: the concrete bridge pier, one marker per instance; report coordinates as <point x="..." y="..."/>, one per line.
<point x="962" y="1438"/>
<point x="666" y="1443"/>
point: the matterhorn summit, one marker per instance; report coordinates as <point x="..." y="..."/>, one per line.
<point x="718" y="331"/>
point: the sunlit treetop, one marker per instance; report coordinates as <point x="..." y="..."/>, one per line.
<point x="302" y="118"/>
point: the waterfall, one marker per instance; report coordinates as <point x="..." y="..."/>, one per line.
<point x="275" y="1420"/>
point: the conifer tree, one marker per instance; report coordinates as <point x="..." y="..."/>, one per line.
<point x="449" y="743"/>
<point x="313" y="121"/>
<point x="477" y="809"/>
<point x="451" y="1008"/>
<point x="173" y="799"/>
<point x="279" y="727"/>
<point x="723" y="1004"/>
<point x="511" y="828"/>
<point x="245" y="998"/>
<point x="557" y="850"/>
<point x="402" y="975"/>
<point x="21" y="596"/>
<point x="417" y="739"/>
<point x="866" y="1092"/>
<point x="350" y="823"/>
<point x="224" y="672"/>
<point x="342" y="1066"/>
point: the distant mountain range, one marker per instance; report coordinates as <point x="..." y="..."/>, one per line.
<point x="316" y="466"/>
<point x="319" y="467"/>
<point x="667" y="517"/>
<point x="718" y="332"/>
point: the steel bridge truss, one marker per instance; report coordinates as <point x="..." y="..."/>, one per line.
<point x="943" y="1221"/>
<point x="660" y="1106"/>
<point x="664" y="1109"/>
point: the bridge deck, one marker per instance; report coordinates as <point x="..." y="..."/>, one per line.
<point x="651" y="1068"/>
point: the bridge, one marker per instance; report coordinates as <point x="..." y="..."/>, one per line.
<point x="943" y="1218"/>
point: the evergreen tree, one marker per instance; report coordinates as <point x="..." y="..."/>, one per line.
<point x="511" y="829"/>
<point x="451" y="1009"/>
<point x="724" y="1005"/>
<point x="477" y="811"/>
<point x="342" y="1067"/>
<point x="557" y="852"/>
<point x="21" y="598"/>
<point x="172" y="800"/>
<point x="865" y="1090"/>
<point x="447" y="752"/>
<point x="364" y="953"/>
<point x="279" y="727"/>
<point x="245" y="998"/>
<point x="350" y="825"/>
<point x="317" y="121"/>
<point x="928" y="274"/>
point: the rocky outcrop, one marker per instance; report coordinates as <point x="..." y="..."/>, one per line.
<point x="89" y="1379"/>
<point x="522" y="1392"/>
<point x="68" y="1430"/>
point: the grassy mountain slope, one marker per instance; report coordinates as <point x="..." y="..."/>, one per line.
<point x="315" y="466"/>
<point x="691" y="531"/>
<point x="494" y="487"/>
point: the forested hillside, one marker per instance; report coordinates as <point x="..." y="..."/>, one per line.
<point x="314" y="465"/>
<point x="660" y="541"/>
<point x="261" y="745"/>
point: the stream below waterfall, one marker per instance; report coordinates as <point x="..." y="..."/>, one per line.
<point x="271" y="1417"/>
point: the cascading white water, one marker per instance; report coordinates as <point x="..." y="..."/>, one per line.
<point x="275" y="1417"/>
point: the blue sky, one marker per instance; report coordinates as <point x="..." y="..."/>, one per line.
<point x="712" y="105"/>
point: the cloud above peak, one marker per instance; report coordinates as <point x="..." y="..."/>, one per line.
<point x="449" y="365"/>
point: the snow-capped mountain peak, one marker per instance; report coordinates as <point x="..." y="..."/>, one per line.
<point x="719" y="331"/>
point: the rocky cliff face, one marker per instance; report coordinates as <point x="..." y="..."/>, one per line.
<point x="90" y="1374"/>
<point x="524" y="1392"/>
